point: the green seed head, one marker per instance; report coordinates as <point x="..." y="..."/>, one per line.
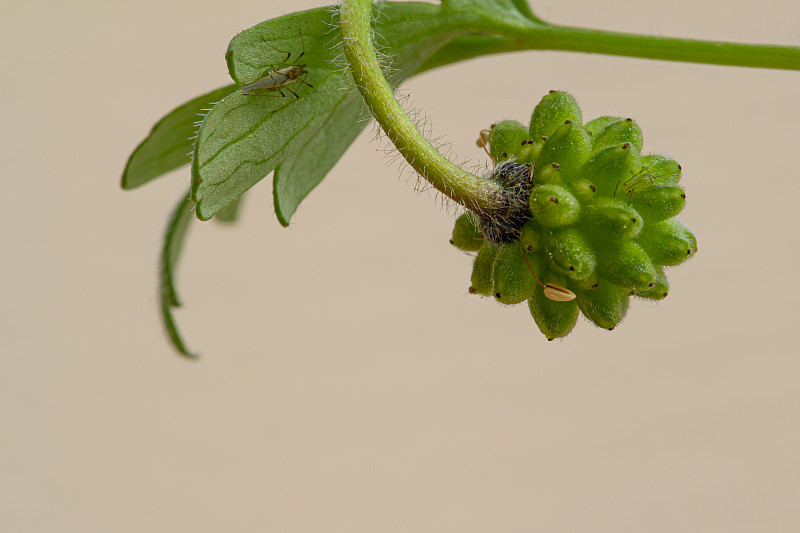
<point x="554" y="318"/>
<point x="568" y="147"/>
<point x="605" y="305"/>
<point x="668" y="242"/>
<point x="530" y="236"/>
<point x="597" y="225"/>
<point x="467" y="234"/>
<point x="555" y="108"/>
<point x="570" y="253"/>
<point x="553" y="206"/>
<point x="483" y="269"/>
<point x="596" y="126"/>
<point x="513" y="282"/>
<point x="611" y="218"/>
<point x="505" y="139"/>
<point x="618" y="132"/>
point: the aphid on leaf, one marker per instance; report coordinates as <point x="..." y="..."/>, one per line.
<point x="278" y="77"/>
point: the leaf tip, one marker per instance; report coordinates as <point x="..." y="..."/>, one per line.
<point x="125" y="181"/>
<point x="283" y="219"/>
<point x="202" y="214"/>
<point x="128" y="180"/>
<point x="168" y="301"/>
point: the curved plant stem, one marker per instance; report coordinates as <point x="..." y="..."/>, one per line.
<point x="491" y="34"/>
<point x="479" y="195"/>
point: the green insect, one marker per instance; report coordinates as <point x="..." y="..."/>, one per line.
<point x="639" y="181"/>
<point x="278" y="77"/>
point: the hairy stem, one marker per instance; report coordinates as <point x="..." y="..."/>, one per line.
<point x="479" y="195"/>
<point x="482" y="33"/>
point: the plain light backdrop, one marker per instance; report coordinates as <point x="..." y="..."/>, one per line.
<point x="348" y="382"/>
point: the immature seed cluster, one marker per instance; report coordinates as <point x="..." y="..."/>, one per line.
<point x="590" y="220"/>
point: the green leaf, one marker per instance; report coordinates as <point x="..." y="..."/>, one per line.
<point x="170" y="252"/>
<point x="244" y="138"/>
<point x="480" y="27"/>
<point x="525" y="8"/>
<point x="497" y="8"/>
<point x="171" y="140"/>
<point x="230" y="214"/>
<point x="298" y="174"/>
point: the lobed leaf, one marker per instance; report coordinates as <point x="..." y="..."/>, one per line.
<point x="230" y="214"/>
<point x="244" y="138"/>
<point x="170" y="142"/>
<point x="498" y="8"/>
<point x="174" y="238"/>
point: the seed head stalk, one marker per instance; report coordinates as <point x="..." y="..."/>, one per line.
<point x="474" y="193"/>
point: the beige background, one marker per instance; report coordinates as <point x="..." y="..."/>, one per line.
<point x="349" y="382"/>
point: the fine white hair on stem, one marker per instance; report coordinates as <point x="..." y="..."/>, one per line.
<point x="424" y="123"/>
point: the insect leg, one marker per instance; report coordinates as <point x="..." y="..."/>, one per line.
<point x="303" y="79"/>
<point x="303" y="42"/>
<point x="289" y="102"/>
<point x="288" y="54"/>
<point x="252" y="92"/>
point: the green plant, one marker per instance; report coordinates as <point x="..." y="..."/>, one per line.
<point x="245" y="137"/>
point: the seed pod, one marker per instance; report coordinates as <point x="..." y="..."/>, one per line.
<point x="570" y="252"/>
<point x="529" y="151"/>
<point x="555" y="319"/>
<point x="547" y="174"/>
<point x="482" y="270"/>
<point x="661" y="170"/>
<point x="669" y="242"/>
<point x="554" y="206"/>
<point x="659" y="203"/>
<point x="467" y="234"/>
<point x="660" y="287"/>
<point x="513" y="281"/>
<point x="583" y="189"/>
<point x="529" y="237"/>
<point x="626" y="264"/>
<point x="621" y="131"/>
<point x="568" y="147"/>
<point x="610" y="218"/>
<point x="588" y="284"/>
<point x="606" y="305"/>
<point x="552" y="111"/>
<point x="505" y="139"/>
<point x="610" y="167"/>
<point x="594" y="127"/>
